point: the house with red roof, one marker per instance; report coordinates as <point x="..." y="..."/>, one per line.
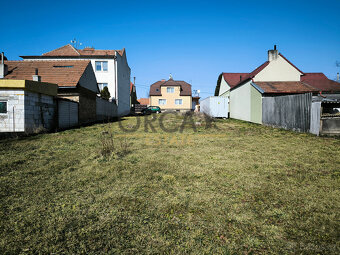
<point x="110" y="67"/>
<point x="252" y="95"/>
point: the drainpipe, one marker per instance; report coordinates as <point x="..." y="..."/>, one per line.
<point x="116" y="79"/>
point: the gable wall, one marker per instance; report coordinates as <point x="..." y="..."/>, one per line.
<point x="224" y="87"/>
<point x="278" y="70"/>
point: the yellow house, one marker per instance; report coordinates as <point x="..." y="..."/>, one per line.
<point x="171" y="95"/>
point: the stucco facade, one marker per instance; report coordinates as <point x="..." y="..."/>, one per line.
<point x="170" y="99"/>
<point x="278" y="70"/>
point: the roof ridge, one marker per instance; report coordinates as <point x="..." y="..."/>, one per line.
<point x="61" y="48"/>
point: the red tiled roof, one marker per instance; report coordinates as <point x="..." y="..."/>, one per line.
<point x="285" y="87"/>
<point x="144" y="101"/>
<point x="245" y="76"/>
<point x="64" y="73"/>
<point x="155" y="89"/>
<point x="233" y="78"/>
<point x="320" y="82"/>
<point x="69" y="51"/>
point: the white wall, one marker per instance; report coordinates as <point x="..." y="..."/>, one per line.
<point x="278" y="70"/>
<point x="15" y="106"/>
<point x="224" y="87"/>
<point x="240" y="102"/>
<point x="123" y="85"/>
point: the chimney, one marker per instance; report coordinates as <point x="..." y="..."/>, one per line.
<point x="240" y="77"/>
<point x="3" y="67"/>
<point x="273" y="54"/>
<point x="36" y="76"/>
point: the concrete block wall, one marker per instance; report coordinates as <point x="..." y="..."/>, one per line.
<point x="40" y="112"/>
<point x="14" y="119"/>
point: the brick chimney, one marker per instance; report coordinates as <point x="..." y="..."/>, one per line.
<point x="273" y="54"/>
<point x="3" y="67"/>
<point x="36" y="76"/>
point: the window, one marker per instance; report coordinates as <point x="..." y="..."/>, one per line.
<point x="101" y="86"/>
<point x="3" y="107"/>
<point x="157" y="90"/>
<point x="101" y="66"/>
<point x="178" y="101"/>
<point x="170" y="90"/>
<point x="161" y="101"/>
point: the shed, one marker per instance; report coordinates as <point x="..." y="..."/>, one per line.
<point x="215" y="106"/>
<point x="27" y="106"/>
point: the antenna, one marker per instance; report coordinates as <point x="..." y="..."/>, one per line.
<point x="76" y="43"/>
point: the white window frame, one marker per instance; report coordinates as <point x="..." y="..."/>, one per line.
<point x="179" y="100"/>
<point x="162" y="100"/>
<point x="6" y="102"/>
<point x="101" y="85"/>
<point x="101" y="66"/>
<point x="170" y="90"/>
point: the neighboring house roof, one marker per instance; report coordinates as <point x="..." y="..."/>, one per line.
<point x="144" y="101"/>
<point x="155" y="89"/>
<point x="232" y="77"/>
<point x="64" y="73"/>
<point x="284" y="87"/>
<point x="69" y="51"/>
<point x="320" y="82"/>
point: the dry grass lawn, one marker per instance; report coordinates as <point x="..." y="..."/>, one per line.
<point x="239" y="189"/>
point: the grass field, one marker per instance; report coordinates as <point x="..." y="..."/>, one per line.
<point x="239" y="188"/>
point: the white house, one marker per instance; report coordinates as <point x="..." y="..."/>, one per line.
<point x="110" y="66"/>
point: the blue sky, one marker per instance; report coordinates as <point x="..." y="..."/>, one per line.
<point x="193" y="40"/>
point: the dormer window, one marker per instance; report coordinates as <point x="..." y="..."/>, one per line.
<point x="170" y="89"/>
<point x="157" y="90"/>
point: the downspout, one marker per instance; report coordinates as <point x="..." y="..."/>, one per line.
<point x="116" y="79"/>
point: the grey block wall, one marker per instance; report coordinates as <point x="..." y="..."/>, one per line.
<point x="39" y="112"/>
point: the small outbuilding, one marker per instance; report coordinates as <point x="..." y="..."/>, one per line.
<point x="216" y="107"/>
<point x="27" y="106"/>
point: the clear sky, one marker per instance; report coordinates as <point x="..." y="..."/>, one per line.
<point x="193" y="40"/>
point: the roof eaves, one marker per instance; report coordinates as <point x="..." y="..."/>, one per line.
<point x="258" y="88"/>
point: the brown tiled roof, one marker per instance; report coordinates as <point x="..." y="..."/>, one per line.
<point x="64" y="73"/>
<point x="69" y="51"/>
<point x="144" y="101"/>
<point x="285" y="87"/>
<point x="155" y="89"/>
<point x="320" y="82"/>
